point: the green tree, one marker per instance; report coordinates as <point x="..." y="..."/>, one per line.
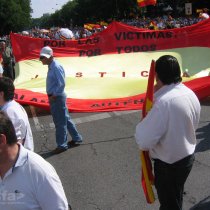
<point x="78" y="12"/>
<point x="14" y="15"/>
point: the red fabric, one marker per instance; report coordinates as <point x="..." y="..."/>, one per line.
<point x="144" y="3"/>
<point x="146" y="107"/>
<point x="116" y="34"/>
<point x="150" y="176"/>
<point x="200" y="86"/>
<point x="150" y="91"/>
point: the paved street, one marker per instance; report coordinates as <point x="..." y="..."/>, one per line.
<point x="104" y="172"/>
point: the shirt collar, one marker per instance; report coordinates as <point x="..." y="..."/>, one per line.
<point x="6" y="105"/>
<point x="22" y="157"/>
<point x="51" y="64"/>
<point x="164" y="89"/>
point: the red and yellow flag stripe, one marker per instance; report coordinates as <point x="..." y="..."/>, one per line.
<point x="109" y="70"/>
<point x="144" y="3"/>
<point x="147" y="179"/>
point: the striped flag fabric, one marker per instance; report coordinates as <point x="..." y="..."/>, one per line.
<point x="147" y="178"/>
<point x="154" y="25"/>
<point x="144" y="3"/>
<point x="96" y="78"/>
<point x="91" y="26"/>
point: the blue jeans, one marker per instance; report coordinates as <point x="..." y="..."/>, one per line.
<point x="63" y="122"/>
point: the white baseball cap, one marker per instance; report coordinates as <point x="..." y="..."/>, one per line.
<point x="46" y="52"/>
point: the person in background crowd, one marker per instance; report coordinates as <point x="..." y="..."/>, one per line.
<point x="1" y="70"/>
<point x="1" y="67"/>
<point x="28" y="181"/>
<point x="55" y="85"/>
<point x="168" y="132"/>
<point x="162" y="22"/>
<point x="16" y="113"/>
<point x="204" y="15"/>
<point x="8" y="60"/>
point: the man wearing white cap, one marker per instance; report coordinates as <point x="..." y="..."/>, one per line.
<point x="55" y="84"/>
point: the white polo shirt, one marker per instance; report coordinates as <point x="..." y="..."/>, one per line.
<point x="168" y="130"/>
<point x="32" y="184"/>
<point x="19" y="119"/>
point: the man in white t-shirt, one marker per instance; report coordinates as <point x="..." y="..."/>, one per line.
<point x="16" y="113"/>
<point x="27" y="181"/>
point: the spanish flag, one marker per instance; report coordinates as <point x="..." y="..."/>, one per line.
<point x="154" y="25"/>
<point x="147" y="179"/>
<point x="103" y="23"/>
<point x="144" y="3"/>
<point x="91" y="26"/>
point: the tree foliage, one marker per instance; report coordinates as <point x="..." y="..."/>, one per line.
<point x="14" y="15"/>
<point x="78" y="12"/>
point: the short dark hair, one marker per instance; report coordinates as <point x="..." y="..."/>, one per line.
<point x="7" y="128"/>
<point x="168" y="70"/>
<point x="7" y="86"/>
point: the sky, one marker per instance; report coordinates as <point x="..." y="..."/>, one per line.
<point x="41" y="7"/>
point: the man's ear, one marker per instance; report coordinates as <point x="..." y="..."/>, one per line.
<point x="156" y="77"/>
<point x="3" y="139"/>
<point x="1" y="94"/>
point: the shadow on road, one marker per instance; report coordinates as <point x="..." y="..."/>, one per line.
<point x="46" y="155"/>
<point x="202" y="205"/>
<point x="202" y="136"/>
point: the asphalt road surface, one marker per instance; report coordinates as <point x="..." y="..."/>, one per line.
<point x="104" y="172"/>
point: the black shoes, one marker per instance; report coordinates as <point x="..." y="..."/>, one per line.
<point x="74" y="143"/>
<point x="58" y="150"/>
<point x="70" y="144"/>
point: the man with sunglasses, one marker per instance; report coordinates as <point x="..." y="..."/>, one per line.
<point x="55" y="84"/>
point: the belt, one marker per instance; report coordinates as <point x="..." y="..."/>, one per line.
<point x="184" y="161"/>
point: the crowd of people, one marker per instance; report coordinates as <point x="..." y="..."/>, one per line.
<point x="21" y="169"/>
<point x="158" y="23"/>
<point x="161" y="23"/>
<point x="172" y="152"/>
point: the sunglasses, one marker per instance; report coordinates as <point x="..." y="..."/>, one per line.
<point x="41" y="57"/>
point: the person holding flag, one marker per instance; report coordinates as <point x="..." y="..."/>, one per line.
<point x="168" y="132"/>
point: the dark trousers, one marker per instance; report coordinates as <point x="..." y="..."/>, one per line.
<point x="170" y="180"/>
<point x="9" y="71"/>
